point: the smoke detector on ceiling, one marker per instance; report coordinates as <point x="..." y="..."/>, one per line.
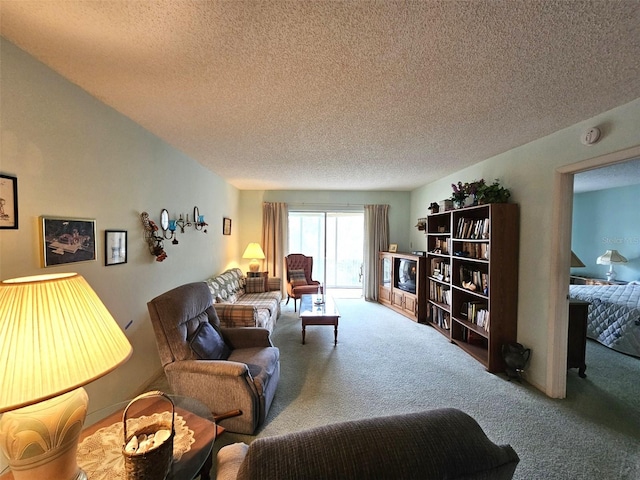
<point x="591" y="136"/>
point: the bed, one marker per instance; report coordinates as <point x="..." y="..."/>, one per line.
<point x="614" y="315"/>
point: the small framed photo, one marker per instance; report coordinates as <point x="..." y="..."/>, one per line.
<point x="8" y="202"/>
<point x="393" y="247"/>
<point x="115" y="247"/>
<point x="67" y="240"/>
<point x="226" y="226"/>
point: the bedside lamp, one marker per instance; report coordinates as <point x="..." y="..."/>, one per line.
<point x="611" y="257"/>
<point x="55" y="336"/>
<point x="255" y="253"/>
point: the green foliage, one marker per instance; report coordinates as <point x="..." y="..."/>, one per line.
<point x="493" y="193"/>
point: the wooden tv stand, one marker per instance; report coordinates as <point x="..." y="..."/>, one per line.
<point x="411" y="305"/>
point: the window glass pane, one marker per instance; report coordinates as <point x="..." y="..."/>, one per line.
<point x="343" y="254"/>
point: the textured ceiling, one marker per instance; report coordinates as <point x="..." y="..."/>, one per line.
<point x="383" y="95"/>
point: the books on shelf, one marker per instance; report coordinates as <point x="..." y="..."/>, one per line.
<point x="473" y="228"/>
<point x="440" y="269"/>
<point x="440" y="317"/>
<point x="477" y="250"/>
<point x="477" y="313"/>
<point x="474" y="280"/>
<point x="440" y="293"/>
<point x="441" y="245"/>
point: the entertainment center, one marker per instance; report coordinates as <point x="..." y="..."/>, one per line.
<point x="403" y="284"/>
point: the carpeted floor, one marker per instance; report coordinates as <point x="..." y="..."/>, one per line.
<point x="385" y="364"/>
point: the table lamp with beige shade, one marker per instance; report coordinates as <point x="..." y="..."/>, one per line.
<point x="255" y="253"/>
<point x="611" y="258"/>
<point x="56" y="336"/>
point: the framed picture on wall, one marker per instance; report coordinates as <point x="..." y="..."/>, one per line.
<point x="8" y="202"/>
<point x="115" y="247"/>
<point x="226" y="226"/>
<point x="67" y="240"/>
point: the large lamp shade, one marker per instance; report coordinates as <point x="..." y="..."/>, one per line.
<point x="55" y="335"/>
<point x="255" y="253"/>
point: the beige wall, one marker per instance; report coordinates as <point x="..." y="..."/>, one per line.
<point x="76" y="157"/>
<point x="528" y="171"/>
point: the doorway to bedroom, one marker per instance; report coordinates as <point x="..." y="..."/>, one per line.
<point x="335" y="240"/>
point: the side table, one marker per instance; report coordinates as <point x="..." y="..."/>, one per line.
<point x="197" y="461"/>
<point x="577" y="336"/>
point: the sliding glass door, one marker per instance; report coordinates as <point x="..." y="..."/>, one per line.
<point x="334" y="240"/>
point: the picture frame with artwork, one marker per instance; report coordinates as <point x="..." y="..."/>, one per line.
<point x="393" y="247"/>
<point x="66" y="240"/>
<point x="8" y="202"/>
<point x="115" y="247"/>
<point x="226" y="226"/>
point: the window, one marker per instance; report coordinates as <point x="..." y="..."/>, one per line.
<point x="335" y="241"/>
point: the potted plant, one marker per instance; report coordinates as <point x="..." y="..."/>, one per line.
<point x="492" y="193"/>
<point x="465" y="194"/>
<point x="459" y="194"/>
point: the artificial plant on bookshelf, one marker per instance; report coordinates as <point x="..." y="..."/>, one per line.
<point x="473" y="279"/>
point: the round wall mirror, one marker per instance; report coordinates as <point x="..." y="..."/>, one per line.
<point x="196" y="214"/>
<point x="164" y="219"/>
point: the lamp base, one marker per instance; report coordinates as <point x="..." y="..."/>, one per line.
<point x="41" y="440"/>
<point x="254" y="265"/>
<point x="611" y="274"/>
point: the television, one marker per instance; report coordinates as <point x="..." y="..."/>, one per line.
<point x="405" y="274"/>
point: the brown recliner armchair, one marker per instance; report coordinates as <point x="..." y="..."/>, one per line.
<point x="224" y="368"/>
<point x="299" y="282"/>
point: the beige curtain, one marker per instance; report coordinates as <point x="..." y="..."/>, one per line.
<point x="274" y="238"/>
<point x="376" y="239"/>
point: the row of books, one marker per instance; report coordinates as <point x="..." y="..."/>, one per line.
<point x="472" y="228"/>
<point x="440" y="317"/>
<point x="440" y="269"/>
<point x="476" y="313"/>
<point x="478" y="250"/>
<point x="440" y="293"/>
<point x="474" y="338"/>
<point x="474" y="280"/>
<point x="441" y="245"/>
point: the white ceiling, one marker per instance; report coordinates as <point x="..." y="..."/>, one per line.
<point x="617" y="175"/>
<point x="386" y="95"/>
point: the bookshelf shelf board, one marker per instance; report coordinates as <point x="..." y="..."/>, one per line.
<point x="477" y="352"/>
<point x="472" y="326"/>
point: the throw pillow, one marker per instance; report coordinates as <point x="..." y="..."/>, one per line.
<point x="297" y="278"/>
<point x="255" y="285"/>
<point x="207" y="343"/>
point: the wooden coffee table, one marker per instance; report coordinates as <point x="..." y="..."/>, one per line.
<point x="312" y="313"/>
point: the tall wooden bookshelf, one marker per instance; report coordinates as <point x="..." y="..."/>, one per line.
<point x="472" y="284"/>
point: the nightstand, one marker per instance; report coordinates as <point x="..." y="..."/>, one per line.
<point x="577" y="337"/>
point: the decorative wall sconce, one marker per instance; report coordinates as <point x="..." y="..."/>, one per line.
<point x="199" y="220"/>
<point x="169" y="227"/>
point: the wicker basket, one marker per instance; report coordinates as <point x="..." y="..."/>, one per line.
<point x="153" y="464"/>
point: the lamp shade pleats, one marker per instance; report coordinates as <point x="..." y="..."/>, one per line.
<point x="610" y="257"/>
<point x="55" y="335"/>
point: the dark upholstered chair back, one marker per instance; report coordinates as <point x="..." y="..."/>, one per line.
<point x="298" y="261"/>
<point x="176" y="314"/>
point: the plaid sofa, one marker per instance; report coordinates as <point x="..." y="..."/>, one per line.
<point x="244" y="302"/>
